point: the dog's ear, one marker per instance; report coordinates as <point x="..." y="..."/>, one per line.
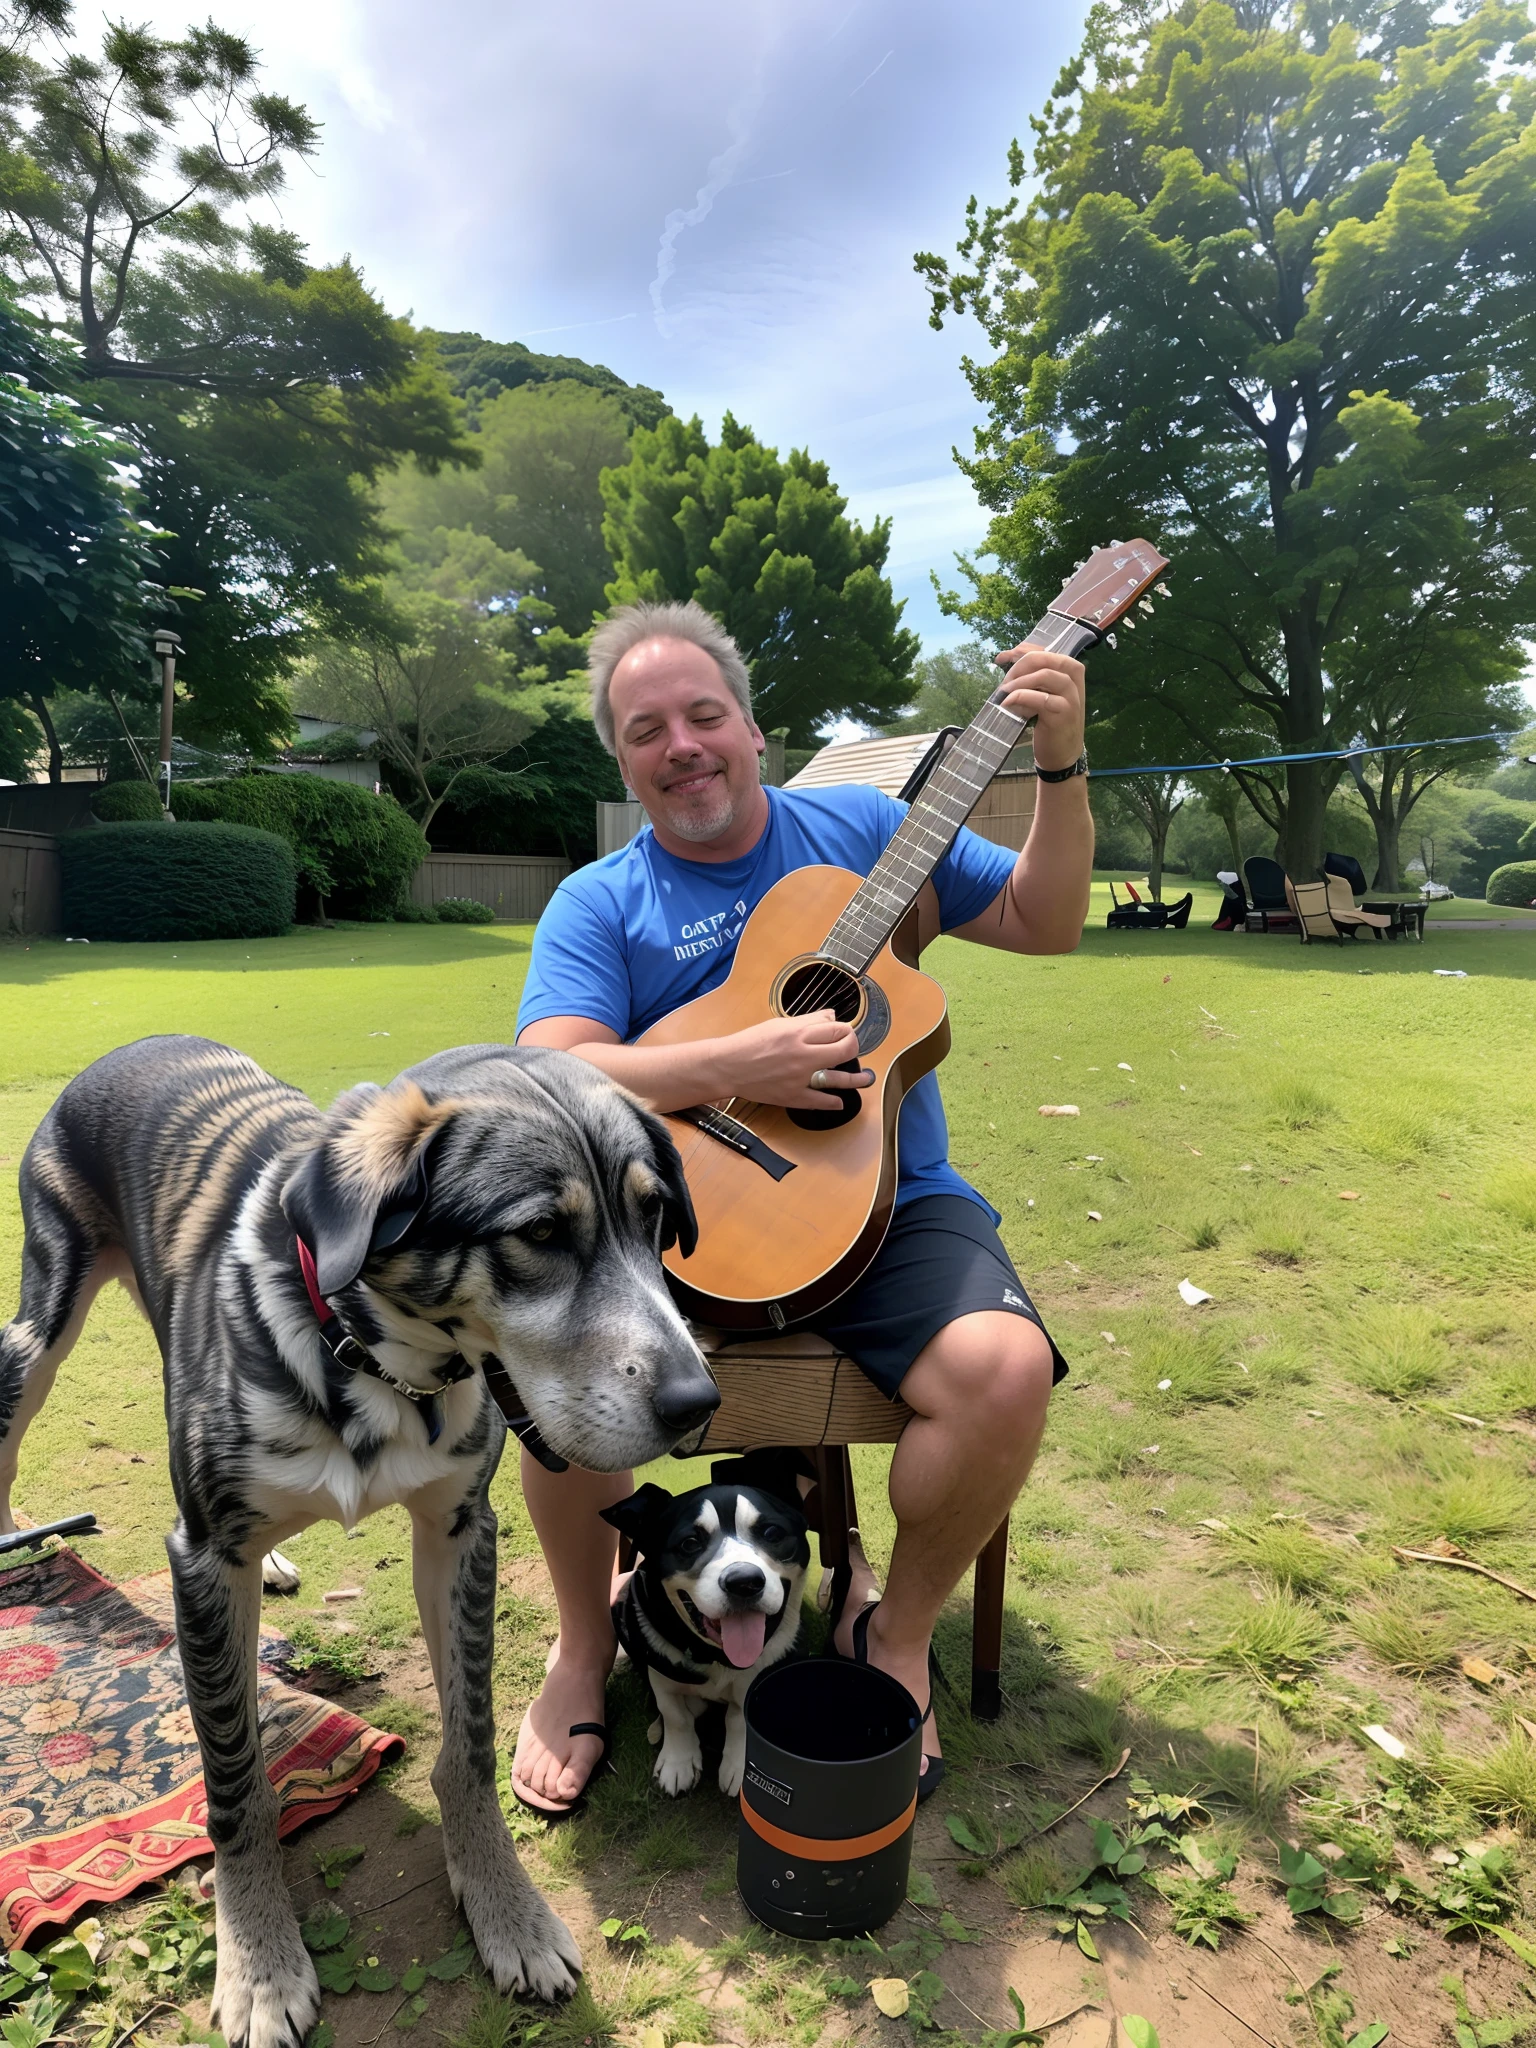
<point x="679" y="1225"/>
<point x="368" y="1179"/>
<point x="634" y="1516"/>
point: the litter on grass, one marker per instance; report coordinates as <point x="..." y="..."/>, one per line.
<point x="1192" y="1295"/>
<point x="1163" y="1386"/>
<point x="1384" y="1739"/>
<point x="1059" y="1109"/>
<point x="1450" y="973"/>
<point x="1095" y="1216"/>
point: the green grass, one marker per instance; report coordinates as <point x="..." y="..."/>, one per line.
<point x="1231" y="1090"/>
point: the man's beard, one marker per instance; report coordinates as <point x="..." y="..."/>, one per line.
<point x="701" y="826"/>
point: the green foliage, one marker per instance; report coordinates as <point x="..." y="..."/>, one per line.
<point x="1393" y="1351"/>
<point x="1266" y="306"/>
<point x="1491" y="833"/>
<point x="1514" y="884"/>
<point x="333" y="1864"/>
<point x="1406" y="1639"/>
<point x="354" y="851"/>
<point x="312" y="1648"/>
<point x="1471" y="2032"/>
<point x="464" y="910"/>
<point x="119" y="803"/>
<point x="567" y="773"/>
<point x="1200" y="1907"/>
<point x="479" y="370"/>
<point x="1308" y="1888"/>
<point x="78" y="573"/>
<point x="159" y="881"/>
<point x="765" y="545"/>
<point x="1277" y="1638"/>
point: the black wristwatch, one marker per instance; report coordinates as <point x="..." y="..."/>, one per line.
<point x="1079" y="767"/>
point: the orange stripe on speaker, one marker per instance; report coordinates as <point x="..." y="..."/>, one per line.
<point x="814" y="1849"/>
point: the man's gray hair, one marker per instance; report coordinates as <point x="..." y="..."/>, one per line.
<point x="634" y="623"/>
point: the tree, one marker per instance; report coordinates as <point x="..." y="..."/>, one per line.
<point x="952" y="686"/>
<point x="479" y="369"/>
<point x="768" y="548"/>
<point x="1153" y="801"/>
<point x="432" y="689"/>
<point x="534" y="496"/>
<point x="1271" y="303"/>
<point x="260" y="391"/>
<point x="78" y="571"/>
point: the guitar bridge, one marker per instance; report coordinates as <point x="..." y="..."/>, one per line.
<point x="729" y="1131"/>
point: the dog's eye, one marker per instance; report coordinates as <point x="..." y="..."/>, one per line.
<point x="770" y="1532"/>
<point x="540" y="1231"/>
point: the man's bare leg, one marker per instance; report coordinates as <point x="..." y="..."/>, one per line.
<point x="978" y="1391"/>
<point x="550" y="1765"/>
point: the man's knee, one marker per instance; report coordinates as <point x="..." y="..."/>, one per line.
<point x="990" y="1372"/>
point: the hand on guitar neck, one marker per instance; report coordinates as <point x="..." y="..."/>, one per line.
<point x="768" y="1063"/>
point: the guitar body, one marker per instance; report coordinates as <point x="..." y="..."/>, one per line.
<point x="787" y="1228"/>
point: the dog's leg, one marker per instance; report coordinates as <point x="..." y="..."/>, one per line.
<point x="63" y="1269"/>
<point x="279" y="1574"/>
<point x="522" y="1943"/>
<point x="265" y="1994"/>
<point x="733" y="1758"/>
<point x="681" y="1763"/>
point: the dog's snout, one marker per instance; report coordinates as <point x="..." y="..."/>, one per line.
<point x="685" y="1400"/>
<point x="743" y="1581"/>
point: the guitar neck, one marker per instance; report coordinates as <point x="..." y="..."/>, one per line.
<point x="942" y="806"/>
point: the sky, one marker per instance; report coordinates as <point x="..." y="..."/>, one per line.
<point x="719" y="200"/>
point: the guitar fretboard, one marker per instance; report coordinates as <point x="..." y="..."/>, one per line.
<point x="942" y="806"/>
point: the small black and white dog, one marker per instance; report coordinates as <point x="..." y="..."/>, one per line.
<point x="714" y="1600"/>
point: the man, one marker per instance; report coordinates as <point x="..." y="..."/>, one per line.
<point x="941" y="1315"/>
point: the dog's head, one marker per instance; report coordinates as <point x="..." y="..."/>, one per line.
<point x="513" y="1201"/>
<point x="730" y="1559"/>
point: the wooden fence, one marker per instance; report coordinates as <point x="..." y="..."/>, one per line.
<point x="515" y="885"/>
<point x="29" y="884"/>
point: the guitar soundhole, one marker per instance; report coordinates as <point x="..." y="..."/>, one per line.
<point x="810" y="985"/>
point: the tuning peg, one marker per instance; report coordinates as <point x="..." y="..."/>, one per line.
<point x="1144" y="605"/>
<point x="1162" y="590"/>
<point x="1114" y="543"/>
<point x="1111" y="640"/>
<point x="1129" y="625"/>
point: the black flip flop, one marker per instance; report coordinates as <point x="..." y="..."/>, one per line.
<point x="559" y="1813"/>
<point x="932" y="1775"/>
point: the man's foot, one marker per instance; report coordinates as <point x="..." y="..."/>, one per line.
<point x="909" y="1666"/>
<point x="550" y="1766"/>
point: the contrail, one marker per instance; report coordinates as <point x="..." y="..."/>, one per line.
<point x="716" y="179"/>
<point x="873" y="74"/>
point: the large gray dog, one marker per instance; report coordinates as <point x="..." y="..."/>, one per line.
<point x="491" y="1212"/>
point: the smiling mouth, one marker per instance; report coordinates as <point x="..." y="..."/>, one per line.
<point x="691" y="785"/>
<point x="740" y="1636"/>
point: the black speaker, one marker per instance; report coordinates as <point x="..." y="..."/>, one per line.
<point x="833" y="1755"/>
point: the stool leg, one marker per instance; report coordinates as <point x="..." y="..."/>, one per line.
<point x="833" y="1499"/>
<point x="987" y="1627"/>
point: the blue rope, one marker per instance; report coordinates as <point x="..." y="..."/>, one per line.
<point x="1274" y="760"/>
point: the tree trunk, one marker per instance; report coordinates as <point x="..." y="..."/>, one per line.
<point x="1389" y="828"/>
<point x="1305" y="807"/>
<point x="1233" y="836"/>
<point x="41" y="713"/>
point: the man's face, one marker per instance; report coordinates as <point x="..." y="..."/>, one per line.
<point x="684" y="745"/>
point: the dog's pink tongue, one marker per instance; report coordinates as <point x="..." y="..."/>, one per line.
<point x="741" y="1638"/>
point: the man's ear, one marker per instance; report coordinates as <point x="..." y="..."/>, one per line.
<point x="632" y="1517"/>
<point x="367" y="1181"/>
<point x="679" y="1225"/>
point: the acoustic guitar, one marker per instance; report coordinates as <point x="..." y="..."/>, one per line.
<point x="792" y="1204"/>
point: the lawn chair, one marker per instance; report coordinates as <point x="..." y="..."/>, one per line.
<point x="801" y="1390"/>
<point x="1135" y="916"/>
<point x="1233" y="915"/>
<point x="1178" y="913"/>
<point x="1269" y="907"/>
<point x="1346" y="865"/>
<point x="1343" y="911"/>
<point x="1309" y="905"/>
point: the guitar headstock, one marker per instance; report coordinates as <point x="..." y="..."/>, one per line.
<point x="1103" y="589"/>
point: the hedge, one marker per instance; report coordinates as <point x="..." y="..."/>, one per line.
<point x="159" y="881"/>
<point x="1514" y="885"/>
<point x="115" y="803"/>
<point x="354" y="852"/>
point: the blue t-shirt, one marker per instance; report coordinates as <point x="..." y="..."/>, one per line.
<point x="629" y="939"/>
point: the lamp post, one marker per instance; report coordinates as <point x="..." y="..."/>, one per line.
<point x="167" y="646"/>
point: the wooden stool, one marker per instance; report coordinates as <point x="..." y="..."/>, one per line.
<point x="800" y="1391"/>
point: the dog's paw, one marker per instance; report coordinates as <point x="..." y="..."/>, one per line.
<point x="262" y="2001"/>
<point x="524" y="1944"/>
<point x="279" y="1574"/>
<point x="678" y="1769"/>
<point x="732" y="1770"/>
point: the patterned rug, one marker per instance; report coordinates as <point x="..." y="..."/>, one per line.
<point x="101" y="1788"/>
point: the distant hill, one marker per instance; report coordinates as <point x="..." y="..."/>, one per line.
<point x="479" y="369"/>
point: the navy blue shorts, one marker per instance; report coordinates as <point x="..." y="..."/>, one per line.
<point x="942" y="1258"/>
